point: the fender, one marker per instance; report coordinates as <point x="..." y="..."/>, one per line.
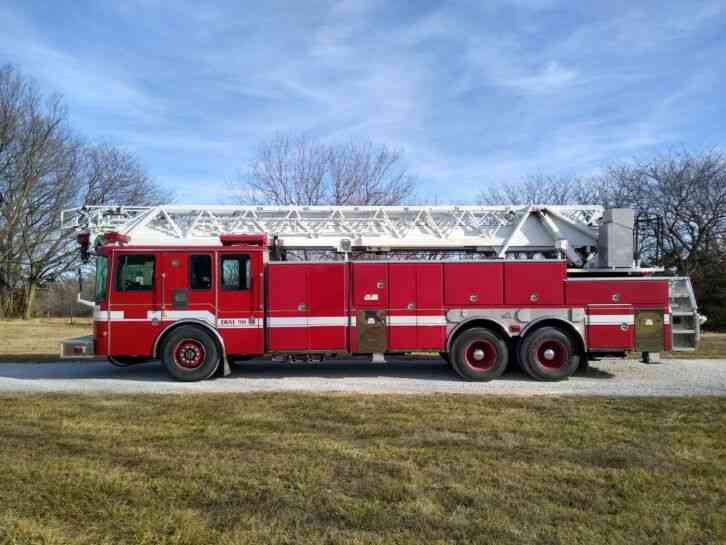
<point x="568" y="325"/>
<point x="463" y="325"/>
<point x="192" y="321"/>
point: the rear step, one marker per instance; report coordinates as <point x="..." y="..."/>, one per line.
<point x="685" y="320"/>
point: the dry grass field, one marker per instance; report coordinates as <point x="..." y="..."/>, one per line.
<point x="39" y="339"/>
<point x="298" y="469"/>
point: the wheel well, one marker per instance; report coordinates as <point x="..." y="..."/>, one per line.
<point x="477" y="322"/>
<point x="563" y="326"/>
<point x="194" y="323"/>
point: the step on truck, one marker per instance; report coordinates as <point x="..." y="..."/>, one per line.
<point x="199" y="287"/>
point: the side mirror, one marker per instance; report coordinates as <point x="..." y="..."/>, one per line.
<point x="84" y="242"/>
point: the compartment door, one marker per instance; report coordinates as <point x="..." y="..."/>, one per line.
<point x="610" y="327"/>
<point x="287" y="326"/>
<point x="327" y="294"/>
<point x="370" y="289"/>
<point x="649" y="330"/>
<point x="430" y="317"/>
<point x="402" y="308"/>
<point x="474" y="284"/>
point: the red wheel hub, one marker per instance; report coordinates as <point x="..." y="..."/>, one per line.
<point x="480" y="355"/>
<point x="552" y="354"/>
<point x="189" y="354"/>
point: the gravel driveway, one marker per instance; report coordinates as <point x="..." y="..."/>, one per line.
<point x="604" y="378"/>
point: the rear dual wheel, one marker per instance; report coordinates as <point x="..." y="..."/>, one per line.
<point x="479" y="354"/>
<point x="548" y="354"/>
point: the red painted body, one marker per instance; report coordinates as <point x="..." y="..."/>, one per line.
<point x="301" y="307"/>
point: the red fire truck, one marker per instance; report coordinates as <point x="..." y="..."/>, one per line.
<point x="200" y="286"/>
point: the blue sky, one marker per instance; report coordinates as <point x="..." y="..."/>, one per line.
<point x="475" y="92"/>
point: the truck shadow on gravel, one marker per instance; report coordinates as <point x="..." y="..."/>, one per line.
<point x="261" y="370"/>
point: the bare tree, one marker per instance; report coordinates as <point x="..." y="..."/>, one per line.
<point x="542" y="189"/>
<point x="362" y="173"/>
<point x="298" y="170"/>
<point x="110" y="175"/>
<point x="688" y="191"/>
<point x="44" y="167"/>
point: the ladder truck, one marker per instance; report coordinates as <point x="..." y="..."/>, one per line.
<point x="551" y="287"/>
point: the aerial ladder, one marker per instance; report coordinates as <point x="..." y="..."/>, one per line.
<point x="505" y="232"/>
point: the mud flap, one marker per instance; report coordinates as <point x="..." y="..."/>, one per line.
<point x="226" y="371"/>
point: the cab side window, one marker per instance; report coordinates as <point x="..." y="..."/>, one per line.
<point x="235" y="272"/>
<point x="135" y="273"/>
<point x="200" y="272"/>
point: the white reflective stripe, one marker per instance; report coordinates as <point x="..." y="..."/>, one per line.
<point x="174" y="315"/>
<point x="436" y="320"/>
<point x="287" y="322"/>
<point x="308" y="321"/>
<point x="431" y="320"/>
<point x="401" y="320"/>
<point x="610" y="319"/>
<point x="291" y="321"/>
<point x="327" y="321"/>
<point x="342" y="321"/>
<point x="106" y="316"/>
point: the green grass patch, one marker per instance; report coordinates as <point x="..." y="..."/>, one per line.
<point x="294" y="469"/>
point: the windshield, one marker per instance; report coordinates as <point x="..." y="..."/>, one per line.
<point x="101" y="278"/>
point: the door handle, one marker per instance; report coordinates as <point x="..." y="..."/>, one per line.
<point x="302" y="307"/>
<point x="411" y="306"/>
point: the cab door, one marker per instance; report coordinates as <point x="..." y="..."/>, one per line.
<point x="239" y="300"/>
<point x="187" y="284"/>
<point x="134" y="298"/>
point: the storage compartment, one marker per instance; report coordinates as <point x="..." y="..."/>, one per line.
<point x="371" y="327"/>
<point x="634" y="292"/>
<point x="370" y="285"/>
<point x="416" y="315"/>
<point x="307" y="307"/>
<point x="473" y="284"/>
<point x="287" y="308"/>
<point x="327" y="307"/>
<point x="530" y="283"/>
<point x="610" y="327"/>
<point x="649" y="330"/>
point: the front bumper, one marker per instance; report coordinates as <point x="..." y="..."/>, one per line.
<point x="78" y="347"/>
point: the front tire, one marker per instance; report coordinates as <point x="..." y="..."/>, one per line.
<point x="479" y="354"/>
<point x="548" y="354"/>
<point x="190" y="354"/>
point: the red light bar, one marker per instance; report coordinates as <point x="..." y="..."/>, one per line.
<point x="113" y="236"/>
<point x="253" y="240"/>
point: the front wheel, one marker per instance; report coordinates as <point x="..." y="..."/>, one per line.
<point x="479" y="354"/>
<point x="190" y="354"/>
<point x="548" y="354"/>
